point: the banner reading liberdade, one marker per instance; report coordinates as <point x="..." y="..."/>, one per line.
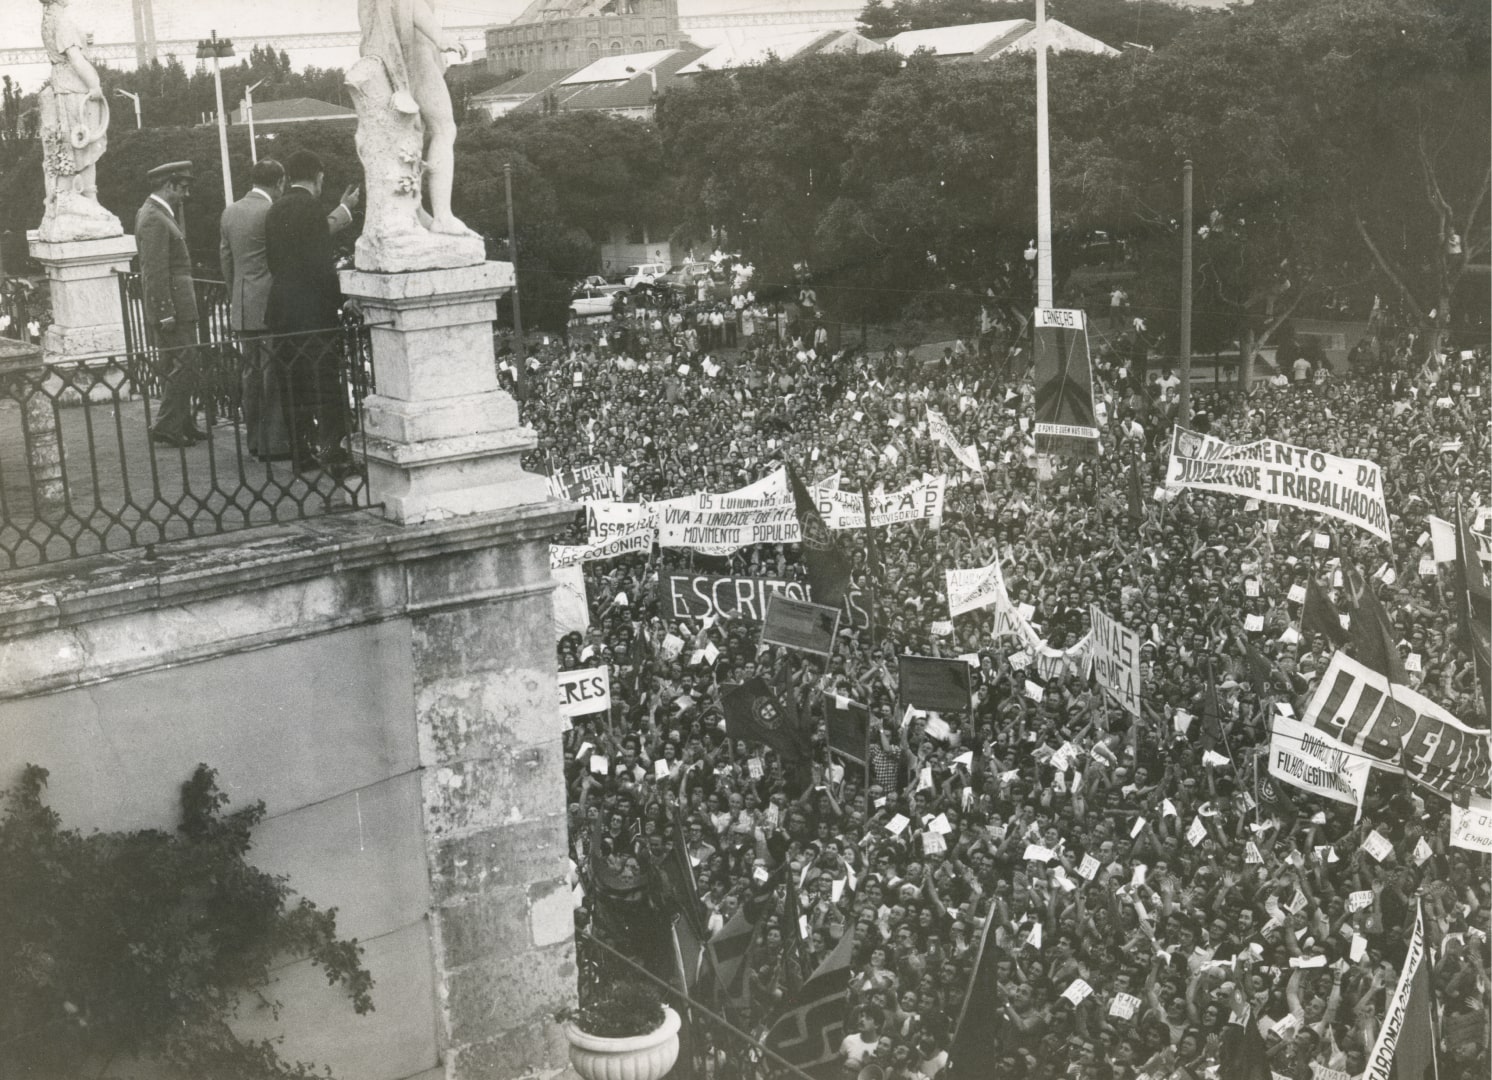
<point x="1403" y="731"/>
<point x="1349" y="489"/>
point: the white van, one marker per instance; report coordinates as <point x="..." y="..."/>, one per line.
<point x="643" y="274"/>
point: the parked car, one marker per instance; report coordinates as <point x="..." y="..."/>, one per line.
<point x="591" y="301"/>
<point x="686" y="278"/>
<point x="643" y="274"/>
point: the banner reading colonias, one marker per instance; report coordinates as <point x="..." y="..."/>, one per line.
<point x="628" y="543"/>
<point x="970" y="590"/>
<point x="1396" y="726"/>
<point x="1061" y="370"/>
<point x="1307" y="758"/>
<point x="1349" y="489"/>
<point x="1116" y="659"/>
<point x="605" y="518"/>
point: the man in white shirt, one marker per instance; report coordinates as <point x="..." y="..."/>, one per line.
<point x="859" y="1045"/>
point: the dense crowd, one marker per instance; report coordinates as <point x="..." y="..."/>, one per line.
<point x="1178" y="932"/>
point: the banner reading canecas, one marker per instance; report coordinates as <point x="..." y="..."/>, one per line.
<point x="1349" y="489"/>
<point x="1401" y="730"/>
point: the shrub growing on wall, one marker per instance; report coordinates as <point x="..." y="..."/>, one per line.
<point x="142" y="943"/>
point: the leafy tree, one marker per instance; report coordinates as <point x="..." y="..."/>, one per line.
<point x="139" y="944"/>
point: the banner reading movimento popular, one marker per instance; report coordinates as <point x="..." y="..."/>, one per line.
<point x="718" y="524"/>
<point x="1401" y="730"/>
<point x="1349" y="489"/>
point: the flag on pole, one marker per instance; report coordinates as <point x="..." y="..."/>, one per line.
<point x="754" y="713"/>
<point x="1273" y="802"/>
<point x="1063" y="376"/>
<point x="1213" y="734"/>
<point x="808" y="1031"/>
<point x="973" y="1048"/>
<point x="828" y="569"/>
<point x="1319" y="616"/>
<point x="1406" y="1040"/>
<point x="726" y="954"/>
<point x="1136" y="492"/>
<point x="1370" y="635"/>
<point x="1261" y="671"/>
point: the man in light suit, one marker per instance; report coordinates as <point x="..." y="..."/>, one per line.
<point x="170" y="300"/>
<point x="245" y="264"/>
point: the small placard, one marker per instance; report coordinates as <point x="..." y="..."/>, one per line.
<point x="1250" y="586"/>
<point x="1196" y="833"/>
<point x="1077" y="992"/>
<point x="1088" y="868"/>
<point x="1321" y="541"/>
<point x="1422" y="852"/>
<point x="1360" y="901"/>
<point x="1297" y="594"/>
<point x="1038" y="853"/>
<point x="1124" y="1006"/>
<point x="1377" y="845"/>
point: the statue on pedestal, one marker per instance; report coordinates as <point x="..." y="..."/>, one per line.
<point x="74" y="133"/>
<point x="403" y="105"/>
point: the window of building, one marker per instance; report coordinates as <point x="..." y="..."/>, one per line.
<point x="594" y="49"/>
<point x="616" y="48"/>
<point x="639" y="45"/>
<point x="660" y="44"/>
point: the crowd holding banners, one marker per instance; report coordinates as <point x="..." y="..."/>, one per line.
<point x="1083" y="847"/>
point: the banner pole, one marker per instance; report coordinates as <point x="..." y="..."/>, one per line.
<point x="870" y="575"/>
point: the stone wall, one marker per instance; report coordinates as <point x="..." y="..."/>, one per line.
<point x="388" y="691"/>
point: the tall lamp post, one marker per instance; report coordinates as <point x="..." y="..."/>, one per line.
<point x="248" y="115"/>
<point x="136" y="99"/>
<point x="216" y="48"/>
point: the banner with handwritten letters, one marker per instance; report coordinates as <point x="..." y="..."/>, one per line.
<point x="639" y="541"/>
<point x="579" y="483"/>
<point x="1048" y="661"/>
<point x="1398" y="1022"/>
<point x="1471" y="826"/>
<point x="970" y="590"/>
<point x="584" y="691"/>
<point x="938" y="428"/>
<point x="1116" y="659"/>
<point x="921" y="500"/>
<point x="1311" y="760"/>
<point x="721" y="523"/>
<point x="1349" y="489"/>
<point x="697" y="596"/>
<point x="1401" y="730"/>
<point x="605" y="518"/>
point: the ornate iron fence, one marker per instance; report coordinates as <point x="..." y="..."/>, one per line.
<point x="84" y="469"/>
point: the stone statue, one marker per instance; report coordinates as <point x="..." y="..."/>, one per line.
<point x="74" y="133"/>
<point x="406" y="132"/>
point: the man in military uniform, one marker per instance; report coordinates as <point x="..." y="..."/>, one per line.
<point x="170" y="300"/>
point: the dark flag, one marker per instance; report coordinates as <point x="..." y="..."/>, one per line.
<point x="1243" y="1054"/>
<point x="1473" y="602"/>
<point x="1136" y="492"/>
<point x="973" y="1048"/>
<point x="679" y="873"/>
<point x="1370" y="635"/>
<point x="1414" y="1054"/>
<point x="849" y="729"/>
<point x="1213" y="735"/>
<point x="1261" y="671"/>
<point x="1319" y="616"/>
<point x="726" y="952"/>
<point x="808" y="1031"/>
<point x="1063" y="375"/>
<point x="1272" y="800"/>
<point x="754" y="713"/>
<point x="828" y="569"/>
<point x="930" y="682"/>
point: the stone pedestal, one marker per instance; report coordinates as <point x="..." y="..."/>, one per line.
<point x="87" y="318"/>
<point x="19" y="364"/>
<point x="442" y="438"/>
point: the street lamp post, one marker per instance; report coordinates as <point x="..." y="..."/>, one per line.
<point x="248" y="113"/>
<point x="136" y="99"/>
<point x="217" y="48"/>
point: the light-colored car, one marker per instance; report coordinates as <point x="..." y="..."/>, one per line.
<point x="592" y="301"/>
<point x="643" y="274"/>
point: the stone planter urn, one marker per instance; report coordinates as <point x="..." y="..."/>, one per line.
<point x="635" y="1057"/>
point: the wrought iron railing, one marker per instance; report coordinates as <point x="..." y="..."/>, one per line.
<point x="85" y="468"/>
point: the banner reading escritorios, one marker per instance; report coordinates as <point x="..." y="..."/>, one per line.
<point x="1350" y="489"/>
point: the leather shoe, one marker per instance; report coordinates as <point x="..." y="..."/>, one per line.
<point x="195" y="434"/>
<point x="165" y="438"/>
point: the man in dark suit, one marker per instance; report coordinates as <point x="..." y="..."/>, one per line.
<point x="242" y="252"/>
<point x="170" y="300"/>
<point x="304" y="306"/>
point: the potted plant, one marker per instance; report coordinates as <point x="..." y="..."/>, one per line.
<point x="622" y="1029"/>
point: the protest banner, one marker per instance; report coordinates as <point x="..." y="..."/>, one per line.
<point x="1061" y="370"/>
<point x="629" y="543"/>
<point x="1348" y="489"/>
<point x="1406" y="1041"/>
<point x="1048" y="661"/>
<point x="1471" y="826"/>
<point x="930" y="682"/>
<point x="605" y="518"/>
<point x="1401" y="730"/>
<point x="970" y="590"/>
<point x="587" y="690"/>
<point x="1306" y="758"/>
<point x="848" y="724"/>
<point x="581" y="483"/>
<point x="921" y="500"/>
<point x="698" y="596"/>
<point x="938" y="429"/>
<point x="719" y="524"/>
<point x="1116" y="659"/>
<point x="799" y="624"/>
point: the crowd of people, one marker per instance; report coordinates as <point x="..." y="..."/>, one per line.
<point x="1181" y="934"/>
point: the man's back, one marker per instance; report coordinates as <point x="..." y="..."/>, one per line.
<point x="304" y="293"/>
<point x="245" y="263"/>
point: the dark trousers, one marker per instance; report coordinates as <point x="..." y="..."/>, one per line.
<point x="311" y="366"/>
<point x="178" y="365"/>
<point x="265" y="415"/>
